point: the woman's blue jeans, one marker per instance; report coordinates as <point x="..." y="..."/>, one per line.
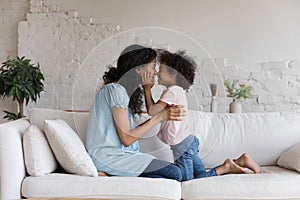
<point x="162" y="169"/>
<point x="187" y="158"/>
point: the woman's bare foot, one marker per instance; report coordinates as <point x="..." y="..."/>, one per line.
<point x="230" y="167"/>
<point x="102" y="173"/>
<point x="246" y="161"/>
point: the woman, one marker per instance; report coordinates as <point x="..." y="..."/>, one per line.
<point x="111" y="133"/>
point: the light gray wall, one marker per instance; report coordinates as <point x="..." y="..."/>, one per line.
<point x="256" y="41"/>
<point x="241" y="30"/>
<point x="11" y="12"/>
<point x="253" y="41"/>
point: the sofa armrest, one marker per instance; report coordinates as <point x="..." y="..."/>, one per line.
<point x="12" y="168"/>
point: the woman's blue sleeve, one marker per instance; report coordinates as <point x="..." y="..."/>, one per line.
<point x="118" y="97"/>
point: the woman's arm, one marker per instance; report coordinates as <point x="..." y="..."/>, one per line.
<point x="127" y="136"/>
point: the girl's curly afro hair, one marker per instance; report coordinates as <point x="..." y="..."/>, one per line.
<point x="183" y="64"/>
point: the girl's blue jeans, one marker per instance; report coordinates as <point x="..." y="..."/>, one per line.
<point x="186" y="155"/>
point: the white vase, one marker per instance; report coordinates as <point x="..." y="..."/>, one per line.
<point x="235" y="107"/>
<point x="214" y="105"/>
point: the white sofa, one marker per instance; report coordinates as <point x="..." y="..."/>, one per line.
<point x="265" y="136"/>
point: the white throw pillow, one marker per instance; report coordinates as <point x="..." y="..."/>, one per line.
<point x="39" y="158"/>
<point x="290" y="159"/>
<point x="68" y="148"/>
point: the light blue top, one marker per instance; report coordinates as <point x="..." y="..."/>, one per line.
<point x="103" y="143"/>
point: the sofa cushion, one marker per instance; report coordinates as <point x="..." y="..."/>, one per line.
<point x="66" y="185"/>
<point x="265" y="136"/>
<point x="39" y="158"/>
<point x="290" y="159"/>
<point x="76" y="120"/>
<point x="274" y="183"/>
<point x="68" y="148"/>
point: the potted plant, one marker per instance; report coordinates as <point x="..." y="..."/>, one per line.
<point x="237" y="92"/>
<point x="22" y="80"/>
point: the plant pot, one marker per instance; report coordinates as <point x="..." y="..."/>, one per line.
<point x="235" y="107"/>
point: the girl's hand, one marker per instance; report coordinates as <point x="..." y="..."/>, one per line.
<point x="173" y="112"/>
<point x="147" y="80"/>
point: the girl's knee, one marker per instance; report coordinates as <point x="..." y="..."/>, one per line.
<point x="179" y="177"/>
<point x="178" y="174"/>
<point x="187" y="177"/>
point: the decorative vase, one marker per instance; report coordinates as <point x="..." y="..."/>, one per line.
<point x="235" y="107"/>
<point x="214" y="105"/>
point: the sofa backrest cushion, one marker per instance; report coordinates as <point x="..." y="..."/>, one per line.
<point x="265" y="136"/>
<point x="76" y="120"/>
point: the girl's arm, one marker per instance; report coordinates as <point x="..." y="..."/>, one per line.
<point x="148" y="97"/>
<point x="122" y="124"/>
<point x="152" y="107"/>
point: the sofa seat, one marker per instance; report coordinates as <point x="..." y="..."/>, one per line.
<point x="67" y="185"/>
<point x="274" y="183"/>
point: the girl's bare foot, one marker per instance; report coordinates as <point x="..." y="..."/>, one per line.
<point x="246" y="161"/>
<point x="230" y="167"/>
<point x="101" y="173"/>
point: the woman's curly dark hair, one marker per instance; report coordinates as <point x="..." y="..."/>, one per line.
<point x="183" y="64"/>
<point x="133" y="56"/>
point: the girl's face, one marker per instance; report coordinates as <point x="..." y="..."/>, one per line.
<point x="150" y="68"/>
<point x="165" y="77"/>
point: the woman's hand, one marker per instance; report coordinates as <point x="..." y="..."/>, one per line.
<point x="173" y="112"/>
<point x="147" y="80"/>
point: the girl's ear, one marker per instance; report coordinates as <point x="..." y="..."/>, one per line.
<point x="174" y="73"/>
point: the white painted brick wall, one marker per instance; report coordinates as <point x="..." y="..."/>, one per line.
<point x="11" y="12"/>
<point x="60" y="41"/>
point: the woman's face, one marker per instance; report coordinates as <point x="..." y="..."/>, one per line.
<point x="150" y="68"/>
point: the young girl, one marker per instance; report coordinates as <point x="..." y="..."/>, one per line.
<point x="177" y="72"/>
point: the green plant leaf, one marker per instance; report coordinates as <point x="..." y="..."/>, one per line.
<point x="21" y="79"/>
<point x="11" y="116"/>
<point x="237" y="91"/>
<point x="2" y="86"/>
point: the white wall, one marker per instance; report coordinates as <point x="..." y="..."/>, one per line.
<point x="256" y="41"/>
<point x="11" y="12"/>
<point x="241" y="30"/>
